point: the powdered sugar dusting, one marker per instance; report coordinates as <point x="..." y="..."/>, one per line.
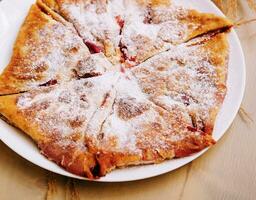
<point x="95" y="21"/>
<point x="136" y="124"/>
<point x="146" y="110"/>
<point x="128" y="109"/>
<point x="66" y="109"/>
<point x="183" y="75"/>
<point x="52" y="55"/>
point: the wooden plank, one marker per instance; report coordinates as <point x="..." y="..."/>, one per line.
<point x="19" y="178"/>
<point x="168" y="185"/>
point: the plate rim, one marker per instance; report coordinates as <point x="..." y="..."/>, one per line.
<point x="189" y="159"/>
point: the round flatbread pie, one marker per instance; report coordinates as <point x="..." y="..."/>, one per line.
<point x="106" y="84"/>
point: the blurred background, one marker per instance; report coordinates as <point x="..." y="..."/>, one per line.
<point x="233" y="9"/>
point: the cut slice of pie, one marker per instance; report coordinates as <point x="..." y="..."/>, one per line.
<point x="152" y="27"/>
<point x="57" y="117"/>
<point x="134" y="30"/>
<point x="193" y="75"/>
<point x="47" y="52"/>
<point x="178" y="24"/>
<point x="99" y="23"/>
<point x="131" y="130"/>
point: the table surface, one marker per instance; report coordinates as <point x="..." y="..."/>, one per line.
<point x="226" y="171"/>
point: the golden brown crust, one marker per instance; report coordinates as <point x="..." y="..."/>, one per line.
<point x="66" y="154"/>
<point x="217" y="48"/>
<point x="154" y="3"/>
<point x="52" y="4"/>
<point x="10" y="111"/>
<point x="9" y="81"/>
<point x="202" y="53"/>
<point x="167" y="25"/>
<point x="197" y="23"/>
<point x="49" y="7"/>
<point x="69" y="156"/>
<point x="204" y="23"/>
<point x="41" y="42"/>
<point x="43" y="114"/>
<point x="192" y="145"/>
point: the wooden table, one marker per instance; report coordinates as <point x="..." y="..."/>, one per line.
<point x="226" y="171"/>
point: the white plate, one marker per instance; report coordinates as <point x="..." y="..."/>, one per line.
<point x="11" y="17"/>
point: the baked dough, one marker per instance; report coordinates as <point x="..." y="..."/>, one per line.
<point x="99" y="23"/>
<point x="192" y="75"/>
<point x="145" y="27"/>
<point x="48" y="52"/>
<point x="107" y="84"/>
<point x="56" y="118"/>
<point x="44" y="53"/>
<point x="94" y="125"/>
<point x="149" y="30"/>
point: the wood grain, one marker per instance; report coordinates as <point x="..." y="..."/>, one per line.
<point x="227" y="171"/>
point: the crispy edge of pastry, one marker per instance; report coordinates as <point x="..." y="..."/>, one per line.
<point x="109" y="160"/>
<point x="217" y="47"/>
<point x="75" y="160"/>
<point x="191" y="145"/>
<point x="207" y="23"/>
<point x="8" y="83"/>
<point x="39" y="15"/>
<point x="49" y="7"/>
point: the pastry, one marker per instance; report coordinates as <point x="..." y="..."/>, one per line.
<point x="107" y="84"/>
